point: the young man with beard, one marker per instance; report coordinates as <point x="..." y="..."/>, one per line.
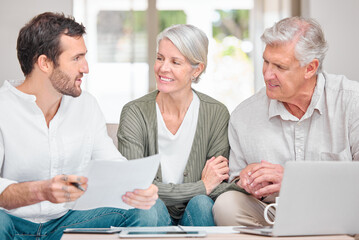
<point x="49" y="132"/>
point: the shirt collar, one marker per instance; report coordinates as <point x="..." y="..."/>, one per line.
<point x="317" y="102"/>
<point x="13" y="89"/>
<point x="276" y="108"/>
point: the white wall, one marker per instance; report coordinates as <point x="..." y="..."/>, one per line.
<point x="14" y="14"/>
<point x="339" y="20"/>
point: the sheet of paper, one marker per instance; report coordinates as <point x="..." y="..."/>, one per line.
<point x="109" y="180"/>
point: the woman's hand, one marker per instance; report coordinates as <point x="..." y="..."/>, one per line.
<point x="214" y="172"/>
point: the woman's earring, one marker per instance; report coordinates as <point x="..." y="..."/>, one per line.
<point x="193" y="78"/>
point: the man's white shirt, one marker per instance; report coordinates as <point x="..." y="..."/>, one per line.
<point x="262" y="129"/>
<point x="31" y="151"/>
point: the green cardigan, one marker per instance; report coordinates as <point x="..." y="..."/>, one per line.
<point x="137" y="138"/>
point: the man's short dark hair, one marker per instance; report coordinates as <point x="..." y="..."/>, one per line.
<point x="41" y="36"/>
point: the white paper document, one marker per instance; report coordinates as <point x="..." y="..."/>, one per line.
<point x="109" y="180"/>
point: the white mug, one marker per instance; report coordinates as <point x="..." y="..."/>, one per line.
<point x="275" y="204"/>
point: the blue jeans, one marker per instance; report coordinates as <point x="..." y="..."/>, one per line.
<point x="198" y="212"/>
<point x="12" y="227"/>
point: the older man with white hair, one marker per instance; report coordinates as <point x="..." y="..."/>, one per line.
<point x="302" y="114"/>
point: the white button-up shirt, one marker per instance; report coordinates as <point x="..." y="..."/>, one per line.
<point x="262" y="129"/>
<point x="31" y="151"/>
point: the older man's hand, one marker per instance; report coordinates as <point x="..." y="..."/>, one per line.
<point x="261" y="179"/>
<point x="143" y="199"/>
<point x="244" y="175"/>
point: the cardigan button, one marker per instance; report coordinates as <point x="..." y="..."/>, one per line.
<point x="185" y="174"/>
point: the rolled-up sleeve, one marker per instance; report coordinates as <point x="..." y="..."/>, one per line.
<point x="354" y="130"/>
<point x="4" y="183"/>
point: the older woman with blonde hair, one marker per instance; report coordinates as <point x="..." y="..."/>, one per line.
<point x="187" y="128"/>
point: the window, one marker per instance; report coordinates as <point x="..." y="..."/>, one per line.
<point x="121" y="36"/>
<point x="231" y="69"/>
<point x="117" y="43"/>
<point x="168" y="18"/>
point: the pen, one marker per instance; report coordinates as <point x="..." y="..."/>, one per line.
<point x="181" y="228"/>
<point x="78" y="186"/>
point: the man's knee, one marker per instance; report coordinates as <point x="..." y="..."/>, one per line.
<point x="7" y="230"/>
<point x="237" y="208"/>
<point x="145" y="218"/>
<point x="156" y="216"/>
<point x="225" y="209"/>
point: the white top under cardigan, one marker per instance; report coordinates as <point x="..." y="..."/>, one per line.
<point x="175" y="149"/>
<point x="31" y="151"/>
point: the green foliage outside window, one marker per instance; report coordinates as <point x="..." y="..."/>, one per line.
<point x="169" y="18"/>
<point x="231" y="23"/>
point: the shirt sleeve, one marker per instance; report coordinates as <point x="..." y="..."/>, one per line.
<point x="103" y="148"/>
<point x="354" y="130"/>
<point x="131" y="134"/>
<point x="236" y="158"/>
<point x="4" y="183"/>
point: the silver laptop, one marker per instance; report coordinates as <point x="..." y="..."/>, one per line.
<point x="316" y="198"/>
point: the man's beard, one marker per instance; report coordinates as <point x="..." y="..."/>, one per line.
<point x="63" y="84"/>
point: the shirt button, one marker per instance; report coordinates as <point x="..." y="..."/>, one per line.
<point x="185" y="174"/>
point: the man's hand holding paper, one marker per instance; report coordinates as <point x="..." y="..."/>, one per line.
<point x="143" y="199"/>
<point x="120" y="184"/>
